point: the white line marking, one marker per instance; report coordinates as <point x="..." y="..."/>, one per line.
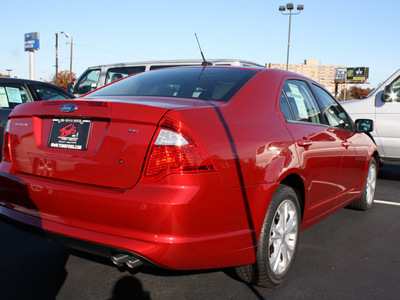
<point x="387" y="202"/>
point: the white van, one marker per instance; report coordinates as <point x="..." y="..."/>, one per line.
<point x="382" y="106"/>
<point x="95" y="77"/>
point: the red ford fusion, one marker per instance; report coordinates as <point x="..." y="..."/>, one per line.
<point x="188" y="168"/>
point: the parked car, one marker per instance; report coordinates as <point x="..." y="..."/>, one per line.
<point x="98" y="76"/>
<point x="188" y="168"/>
<point x="16" y="91"/>
<point x="382" y="106"/>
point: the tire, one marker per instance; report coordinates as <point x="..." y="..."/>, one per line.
<point x="277" y="245"/>
<point x="366" y="199"/>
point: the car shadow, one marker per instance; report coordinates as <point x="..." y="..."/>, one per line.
<point x="129" y="287"/>
<point x="389" y="172"/>
<point x="31" y="267"/>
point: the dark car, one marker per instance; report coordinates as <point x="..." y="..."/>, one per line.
<point x="16" y="91"/>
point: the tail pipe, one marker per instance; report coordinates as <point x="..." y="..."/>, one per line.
<point x="131" y="261"/>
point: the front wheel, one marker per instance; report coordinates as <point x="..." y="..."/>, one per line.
<point x="366" y="199"/>
<point x="277" y="245"/>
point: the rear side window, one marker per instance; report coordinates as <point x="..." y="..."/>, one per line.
<point x="210" y="83"/>
<point x="121" y="72"/>
<point x="285" y="107"/>
<point x="12" y="95"/>
<point x="298" y="103"/>
<point x="49" y="93"/>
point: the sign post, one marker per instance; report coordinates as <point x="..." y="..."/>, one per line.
<point x="31" y="45"/>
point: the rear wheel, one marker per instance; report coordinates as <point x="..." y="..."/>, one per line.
<point x="277" y="245"/>
<point x="366" y="199"/>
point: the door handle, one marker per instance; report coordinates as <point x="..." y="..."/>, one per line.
<point x="346" y="144"/>
<point x="304" y="143"/>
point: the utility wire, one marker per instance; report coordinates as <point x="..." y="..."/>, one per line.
<point x="112" y="52"/>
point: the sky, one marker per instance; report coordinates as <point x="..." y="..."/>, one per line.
<point x="355" y="33"/>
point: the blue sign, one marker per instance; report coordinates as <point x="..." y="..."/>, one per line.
<point x="32" y="41"/>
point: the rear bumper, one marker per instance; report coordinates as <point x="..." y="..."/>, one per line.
<point x="182" y="222"/>
<point x="78" y="244"/>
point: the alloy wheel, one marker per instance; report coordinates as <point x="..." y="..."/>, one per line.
<point x="283" y="237"/>
<point x="371" y="184"/>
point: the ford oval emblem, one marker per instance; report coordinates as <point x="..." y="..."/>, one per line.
<point x="68" y="107"/>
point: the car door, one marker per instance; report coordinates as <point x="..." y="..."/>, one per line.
<point x="11" y="94"/>
<point x="88" y="82"/>
<point x="318" y="147"/>
<point x="353" y="151"/>
<point x="387" y="121"/>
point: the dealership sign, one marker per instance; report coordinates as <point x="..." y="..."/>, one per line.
<point x="350" y="75"/>
<point x="32" y="41"/>
<point x="340" y="74"/>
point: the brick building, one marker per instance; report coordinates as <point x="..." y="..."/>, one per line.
<point x="325" y="75"/>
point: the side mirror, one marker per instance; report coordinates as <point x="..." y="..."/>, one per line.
<point x="389" y="95"/>
<point x="364" y="125"/>
<point x="70" y="87"/>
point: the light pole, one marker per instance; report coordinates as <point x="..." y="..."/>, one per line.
<point x="56" y="58"/>
<point x="289" y="7"/>
<point x="9" y="72"/>
<point x="70" y="61"/>
<point x="66" y="35"/>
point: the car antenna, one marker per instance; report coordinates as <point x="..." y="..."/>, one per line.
<point x="204" y="63"/>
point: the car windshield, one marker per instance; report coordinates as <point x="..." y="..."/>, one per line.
<point x="209" y="83"/>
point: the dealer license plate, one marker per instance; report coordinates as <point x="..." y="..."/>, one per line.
<point x="69" y="134"/>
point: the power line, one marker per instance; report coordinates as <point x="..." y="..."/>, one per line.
<point x="112" y="52"/>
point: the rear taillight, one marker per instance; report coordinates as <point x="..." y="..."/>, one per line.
<point x="175" y="151"/>
<point x="7" y="143"/>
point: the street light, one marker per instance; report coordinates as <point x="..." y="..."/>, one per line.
<point x="70" y="61"/>
<point x="9" y="72"/>
<point x="66" y="35"/>
<point x="290" y="7"/>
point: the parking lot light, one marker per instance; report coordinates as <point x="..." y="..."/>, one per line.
<point x="290" y="7"/>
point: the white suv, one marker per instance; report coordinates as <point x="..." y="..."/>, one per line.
<point x="95" y="77"/>
<point x="382" y="106"/>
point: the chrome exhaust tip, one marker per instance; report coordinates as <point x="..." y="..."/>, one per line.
<point x="133" y="262"/>
<point x="119" y="259"/>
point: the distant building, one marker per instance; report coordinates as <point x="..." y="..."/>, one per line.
<point x="325" y="75"/>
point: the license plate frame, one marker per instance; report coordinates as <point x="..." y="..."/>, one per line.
<point x="70" y="134"/>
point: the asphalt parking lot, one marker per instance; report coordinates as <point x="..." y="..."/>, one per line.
<point x="350" y="255"/>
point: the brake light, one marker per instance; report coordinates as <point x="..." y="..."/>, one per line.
<point x="7" y="143"/>
<point x="79" y="102"/>
<point x="175" y="151"/>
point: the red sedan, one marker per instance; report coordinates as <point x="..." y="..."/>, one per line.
<point x="188" y="168"/>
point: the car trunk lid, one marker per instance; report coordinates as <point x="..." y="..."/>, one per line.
<point x="99" y="142"/>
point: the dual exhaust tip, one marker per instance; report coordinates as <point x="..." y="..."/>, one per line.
<point x="120" y="259"/>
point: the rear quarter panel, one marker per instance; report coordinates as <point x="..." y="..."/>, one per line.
<point x="245" y="137"/>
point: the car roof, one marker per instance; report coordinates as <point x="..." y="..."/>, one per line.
<point x="178" y="61"/>
<point x="28" y="81"/>
<point x="20" y="80"/>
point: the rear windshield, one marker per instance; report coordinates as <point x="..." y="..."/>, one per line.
<point x="219" y="84"/>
